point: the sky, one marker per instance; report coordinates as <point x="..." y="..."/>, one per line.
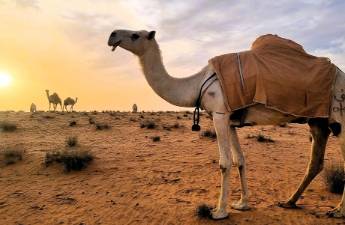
<point x="62" y="45"/>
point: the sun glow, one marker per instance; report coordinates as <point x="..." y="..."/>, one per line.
<point x="5" y="79"/>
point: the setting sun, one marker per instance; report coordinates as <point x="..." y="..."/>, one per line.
<point x="5" y="79"/>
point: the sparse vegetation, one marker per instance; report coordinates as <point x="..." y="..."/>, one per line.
<point x="334" y="179"/>
<point x="203" y="211"/>
<point x="72" y="141"/>
<point x="91" y="120"/>
<point x="7" y="126"/>
<point x="73" y="123"/>
<point x="71" y="159"/>
<point x="102" y="126"/>
<point x="11" y="156"/>
<point x="132" y="119"/>
<point x="148" y="124"/>
<point x="261" y="138"/>
<point x="48" y="117"/>
<point x="156" y="138"/>
<point x="209" y="133"/>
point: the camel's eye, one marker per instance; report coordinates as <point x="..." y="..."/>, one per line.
<point x="135" y="37"/>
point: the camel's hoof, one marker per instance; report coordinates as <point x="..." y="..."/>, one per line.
<point x="219" y="215"/>
<point x="242" y="206"/>
<point x="288" y="205"/>
<point x="336" y="213"/>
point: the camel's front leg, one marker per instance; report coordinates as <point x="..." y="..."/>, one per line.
<point x="239" y="161"/>
<point x="221" y="124"/>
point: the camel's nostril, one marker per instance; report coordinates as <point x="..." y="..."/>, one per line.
<point x="113" y="34"/>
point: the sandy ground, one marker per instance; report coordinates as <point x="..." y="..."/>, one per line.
<point x="134" y="180"/>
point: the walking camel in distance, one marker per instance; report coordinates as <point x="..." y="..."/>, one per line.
<point x="69" y="101"/>
<point x="134" y="108"/>
<point x="184" y="92"/>
<point x="33" y="108"/>
<point x="54" y="99"/>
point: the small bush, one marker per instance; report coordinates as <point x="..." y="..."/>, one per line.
<point x="178" y="117"/>
<point x="260" y="138"/>
<point x="72" y="141"/>
<point x="48" y="117"/>
<point x="102" y="126"/>
<point x="70" y="159"/>
<point x="209" y="133"/>
<point x="204" y="211"/>
<point x="91" y="120"/>
<point x="132" y="119"/>
<point x="334" y="179"/>
<point x="73" y="123"/>
<point x="148" y="124"/>
<point x="7" y="126"/>
<point x="11" y="156"/>
<point x="156" y="138"/>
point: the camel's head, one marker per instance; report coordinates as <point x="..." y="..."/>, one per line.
<point x="136" y="42"/>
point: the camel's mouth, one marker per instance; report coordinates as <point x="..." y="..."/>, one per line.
<point x="115" y="45"/>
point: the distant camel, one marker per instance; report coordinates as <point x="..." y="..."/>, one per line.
<point x="135" y="108"/>
<point x="69" y="101"/>
<point x="33" y="108"/>
<point x="54" y="99"/>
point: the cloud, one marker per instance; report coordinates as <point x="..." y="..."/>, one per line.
<point x="33" y="4"/>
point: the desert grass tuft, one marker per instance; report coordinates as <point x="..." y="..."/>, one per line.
<point x="209" y="134"/>
<point x="70" y="159"/>
<point x="203" y="211"/>
<point x="72" y="141"/>
<point x="91" y="120"/>
<point x="261" y="138"/>
<point x="156" y="138"/>
<point x="73" y="123"/>
<point x="334" y="179"/>
<point x="7" y="126"/>
<point x="148" y="124"/>
<point x="11" y="156"/>
<point x="102" y="126"/>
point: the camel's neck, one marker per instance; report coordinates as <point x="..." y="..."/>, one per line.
<point x="177" y="91"/>
<point x="48" y="96"/>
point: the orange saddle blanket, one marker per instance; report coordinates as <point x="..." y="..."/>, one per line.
<point x="278" y="73"/>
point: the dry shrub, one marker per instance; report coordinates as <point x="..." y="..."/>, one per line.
<point x="72" y="141"/>
<point x="102" y="126"/>
<point x="70" y="159"/>
<point x="11" y="156"/>
<point x="91" y="120"/>
<point x="73" y="123"/>
<point x="132" y="119"/>
<point x="261" y="138"/>
<point x="148" y="124"/>
<point x="209" y="134"/>
<point x="7" y="126"/>
<point x="334" y="179"/>
<point x="203" y="211"/>
<point x="156" y="138"/>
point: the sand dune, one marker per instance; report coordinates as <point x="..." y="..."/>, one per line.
<point x="133" y="180"/>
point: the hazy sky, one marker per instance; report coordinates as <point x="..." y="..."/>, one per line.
<point x="62" y="45"/>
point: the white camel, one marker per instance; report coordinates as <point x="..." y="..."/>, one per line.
<point x="134" y="108"/>
<point x="69" y="101"/>
<point x="54" y="99"/>
<point x="33" y="108"/>
<point x="185" y="91"/>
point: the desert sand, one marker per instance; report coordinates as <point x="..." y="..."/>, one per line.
<point x="133" y="180"/>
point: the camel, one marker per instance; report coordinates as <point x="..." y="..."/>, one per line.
<point x="184" y="92"/>
<point x="69" y="101"/>
<point x="134" y="108"/>
<point x="54" y="99"/>
<point x="33" y="108"/>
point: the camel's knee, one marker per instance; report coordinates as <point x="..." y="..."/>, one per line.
<point x="238" y="161"/>
<point x="316" y="168"/>
<point x="224" y="165"/>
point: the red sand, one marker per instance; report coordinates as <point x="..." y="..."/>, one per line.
<point x="134" y="180"/>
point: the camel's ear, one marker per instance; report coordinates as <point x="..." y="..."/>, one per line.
<point x="151" y="35"/>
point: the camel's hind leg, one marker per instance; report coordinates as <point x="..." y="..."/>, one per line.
<point x="239" y="161"/>
<point x="320" y="132"/>
<point x="339" y="211"/>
